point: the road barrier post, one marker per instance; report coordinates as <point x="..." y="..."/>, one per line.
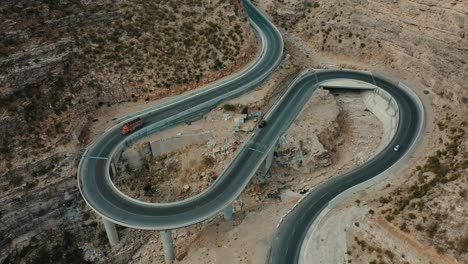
<point x="166" y="239"/>
<point x="111" y="232"/>
<point x="228" y="212"/>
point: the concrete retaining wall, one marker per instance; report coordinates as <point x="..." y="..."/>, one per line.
<point x="118" y="154"/>
<point x="307" y="251"/>
<point x="136" y="156"/>
<point x="384" y="107"/>
<point x="348" y="84"/>
<point x="162" y="146"/>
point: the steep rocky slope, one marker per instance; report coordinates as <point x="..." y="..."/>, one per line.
<point x="424" y="42"/>
<point x="424" y="39"/>
<point x="61" y="60"/>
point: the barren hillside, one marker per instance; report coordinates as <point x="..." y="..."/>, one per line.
<point x="62" y="60"/>
<point x="425" y="43"/>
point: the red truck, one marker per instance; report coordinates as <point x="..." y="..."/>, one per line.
<point x="132" y="125"/>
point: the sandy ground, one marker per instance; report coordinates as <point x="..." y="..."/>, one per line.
<point x="231" y="242"/>
<point x="191" y="175"/>
<point x="335" y="224"/>
<point x="328" y="243"/>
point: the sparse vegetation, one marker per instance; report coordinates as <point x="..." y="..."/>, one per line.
<point x="229" y="107"/>
<point x="208" y="161"/>
<point x="16" y="180"/>
<point x="121" y="51"/>
<point x="417" y="200"/>
<point x="462" y="245"/>
<point x="142" y="40"/>
<point x="56" y="248"/>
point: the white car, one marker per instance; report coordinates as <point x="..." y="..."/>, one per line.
<point x="396" y="148"/>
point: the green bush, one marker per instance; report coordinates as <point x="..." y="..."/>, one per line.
<point x="462" y="245"/>
<point x="419" y="227"/>
<point x="147" y="188"/>
<point x="404" y="227"/>
<point x="16" y="180"/>
<point x="384" y="200"/>
<point x="208" y="161"/>
<point x="389" y="217"/>
<point x="160" y="157"/>
<point x="432" y="229"/>
<point x="229" y="107"/>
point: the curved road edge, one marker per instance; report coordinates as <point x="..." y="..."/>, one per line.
<point x="213" y="85"/>
<point x="298" y="237"/>
<point x="104" y="198"/>
<point x="93" y="176"/>
<point x="304" y="254"/>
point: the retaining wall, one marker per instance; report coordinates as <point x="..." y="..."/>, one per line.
<point x="384" y="107"/>
<point x="307" y="248"/>
<point x="162" y="146"/>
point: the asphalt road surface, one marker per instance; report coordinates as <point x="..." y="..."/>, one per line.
<point x="101" y="195"/>
<point x="290" y="235"/>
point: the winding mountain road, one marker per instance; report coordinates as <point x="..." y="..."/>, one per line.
<point x="93" y="174"/>
<point x="100" y="194"/>
<point x="292" y="231"/>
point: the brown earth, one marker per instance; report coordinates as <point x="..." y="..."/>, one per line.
<point x="62" y="63"/>
<point x="424" y="43"/>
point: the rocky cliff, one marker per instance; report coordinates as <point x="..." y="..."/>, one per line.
<point x="61" y="60"/>
<point x="423" y="39"/>
<point x="425" y="43"/>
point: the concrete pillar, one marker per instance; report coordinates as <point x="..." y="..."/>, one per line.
<point x="269" y="160"/>
<point x="265" y="166"/>
<point x="228" y="212"/>
<point x="166" y="239"/>
<point x="111" y="232"/>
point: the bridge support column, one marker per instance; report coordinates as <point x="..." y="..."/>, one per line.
<point x="269" y="160"/>
<point x="111" y="232"/>
<point x="265" y="166"/>
<point x="168" y="247"/>
<point x="228" y="212"/>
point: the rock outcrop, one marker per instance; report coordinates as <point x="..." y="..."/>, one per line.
<point x="59" y="62"/>
<point x="306" y="146"/>
<point x="424" y="39"/>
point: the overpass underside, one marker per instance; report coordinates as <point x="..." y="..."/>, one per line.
<point x="348" y="84"/>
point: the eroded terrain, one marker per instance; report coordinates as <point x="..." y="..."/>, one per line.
<point x="68" y="69"/>
<point x="62" y="63"/>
